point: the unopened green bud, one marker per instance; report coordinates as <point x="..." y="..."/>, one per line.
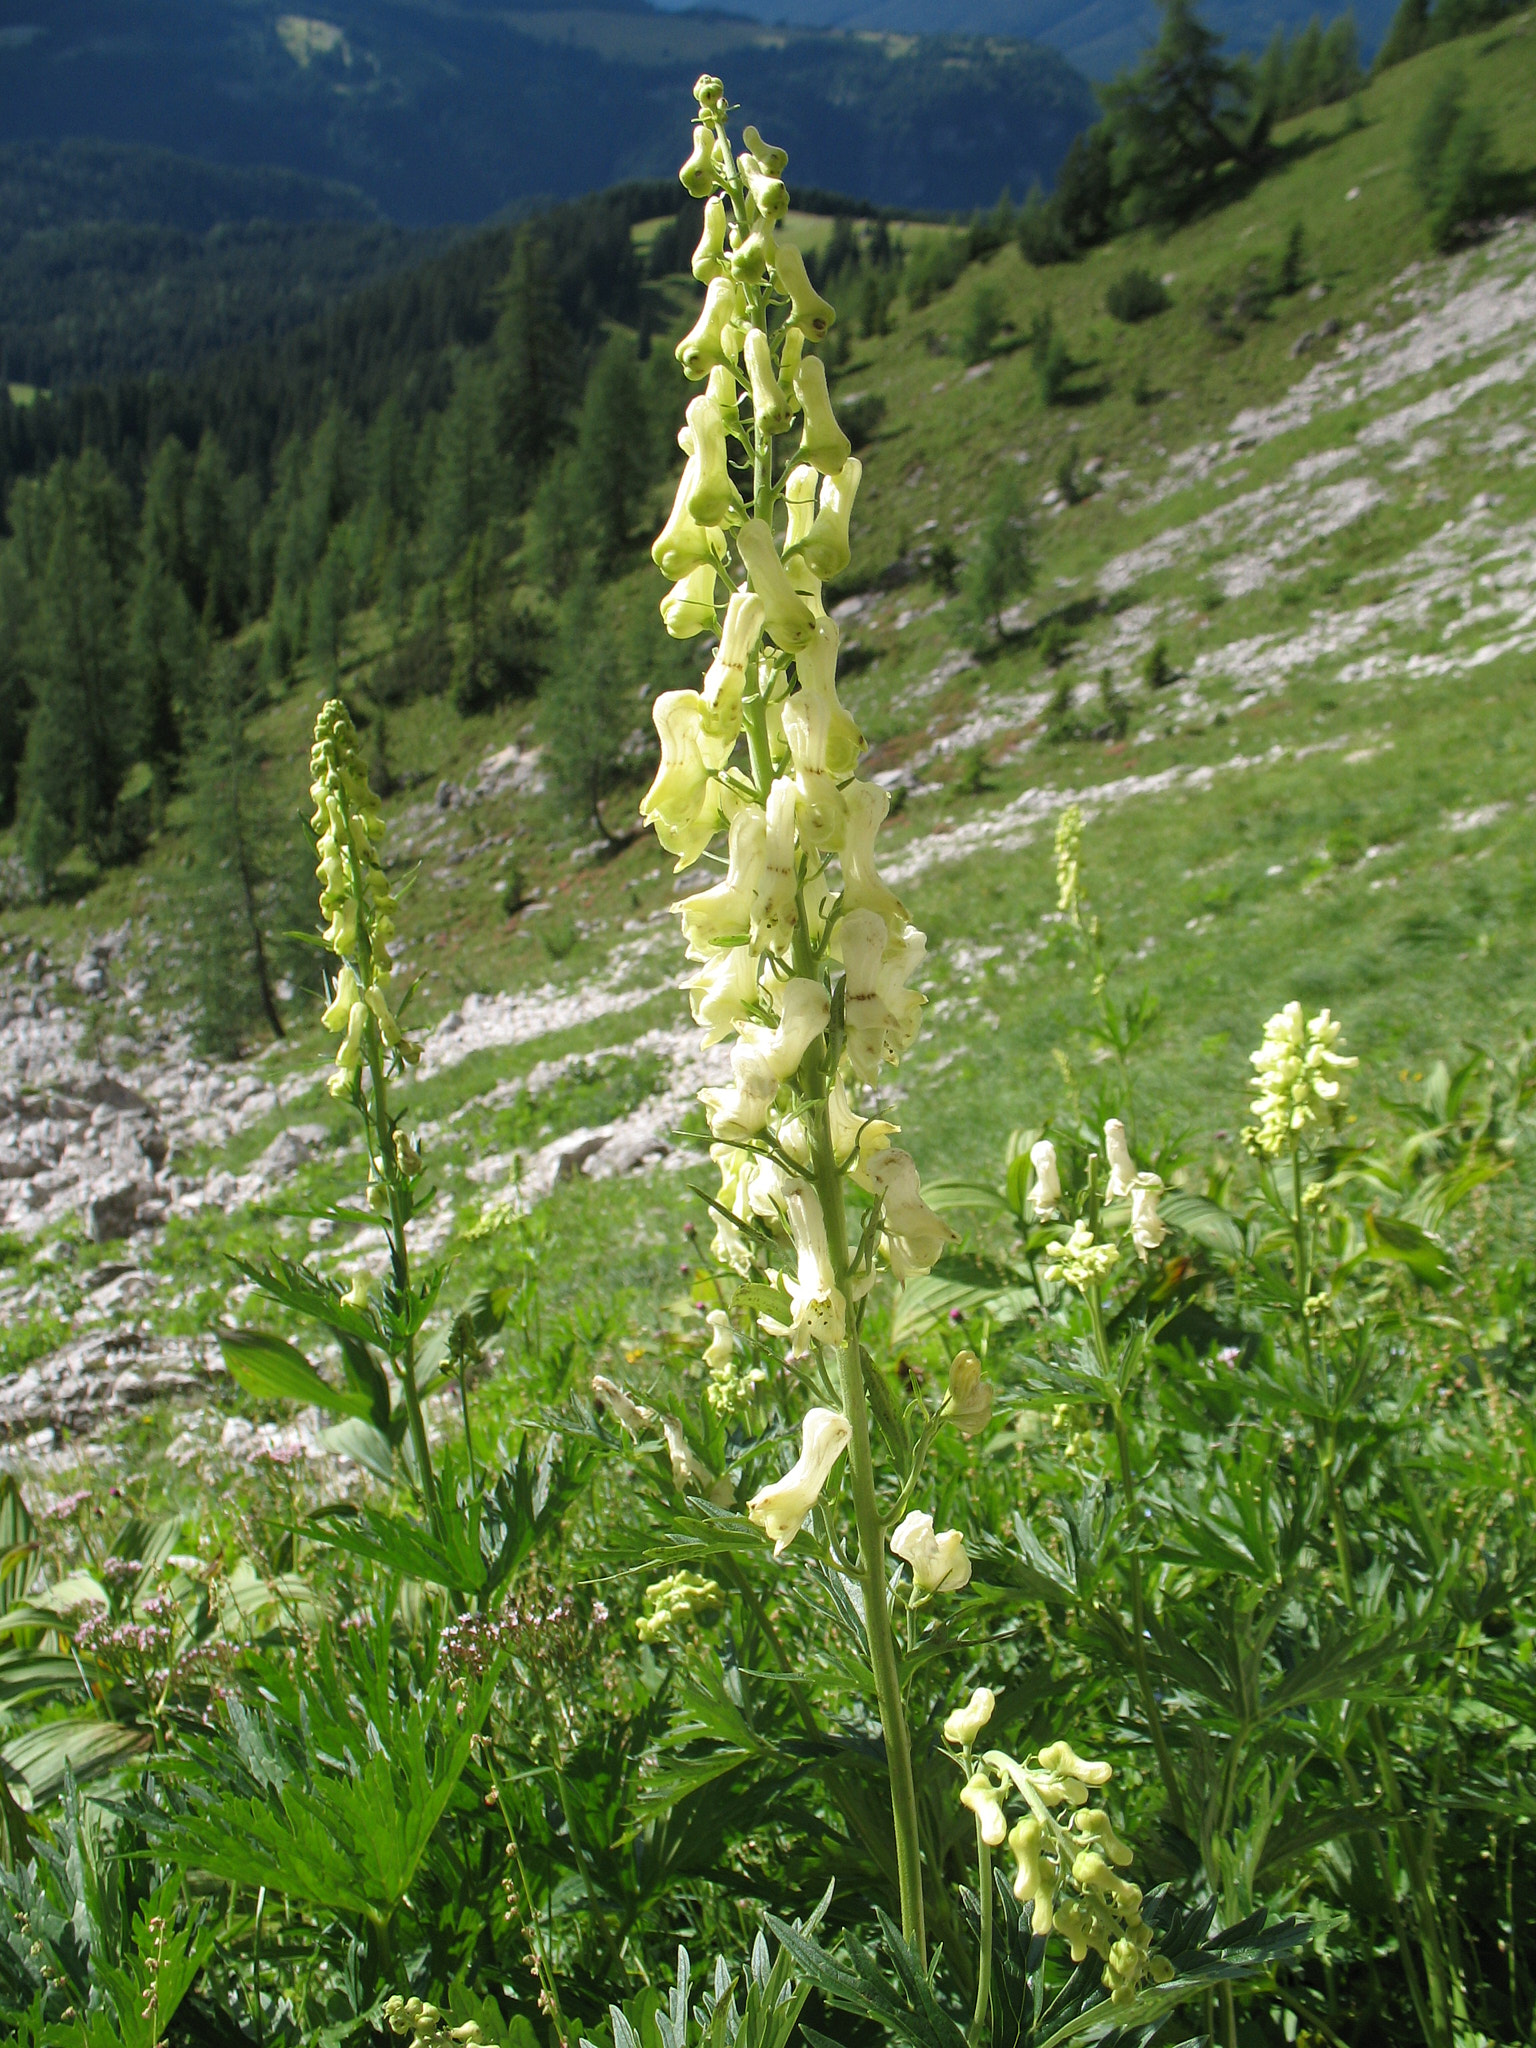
<point x="823" y="443"/>
<point x="700" y="174"/>
<point x="825" y="548"/>
<point x="689" y="607"/>
<point x="771" y="162"/>
<point x="710" y="94"/>
<point x="769" y="403"/>
<point x="714" y="499"/>
<point x="790" y="355"/>
<point x="807" y="308"/>
<point x="769" y="195"/>
<point x="706" y="343"/>
<point x="709" y="257"/>
<point x="789" y="619"/>
<point x="1100" y="1829"/>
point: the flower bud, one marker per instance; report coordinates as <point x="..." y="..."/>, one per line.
<point x="981" y="1797"/>
<point x="709" y="257"/>
<point x="700" y="173"/>
<point x="938" y="1562"/>
<point x="1035" y="1876"/>
<point x="704" y="348"/>
<point x="769" y="403"/>
<point x="791" y="354"/>
<point x="969" y="1402"/>
<point x="825" y="548"/>
<point x="723" y="992"/>
<point x="774" y="910"/>
<point x="338" y="1015"/>
<point x="800" y="509"/>
<point x="823" y="443"/>
<point x="964" y="1725"/>
<point x="682" y="803"/>
<point x="1097" y="1825"/>
<point x="769" y="195"/>
<point x="771" y="162"/>
<point x="689" y="607"/>
<point x="739" y="1112"/>
<point x="750" y="255"/>
<point x="710" y="94"/>
<point x="683" y="545"/>
<point x="914" y="1235"/>
<point x="725" y="679"/>
<point x="714" y="499"/>
<point x="1061" y="1759"/>
<point x="808" y="310"/>
<point x="781" y="1509"/>
<point x="1147" y="1228"/>
<point x="805" y="1011"/>
<point x="1122" y="1167"/>
<point x="789" y="620"/>
<point x="1047" y="1197"/>
<point x="865" y="807"/>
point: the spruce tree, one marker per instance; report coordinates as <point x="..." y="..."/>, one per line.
<point x="533" y="355"/>
<point x="610" y="448"/>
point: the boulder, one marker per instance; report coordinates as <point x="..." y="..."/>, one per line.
<point x="112" y="1212"/>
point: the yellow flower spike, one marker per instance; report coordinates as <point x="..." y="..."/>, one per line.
<point x="823" y="443"/>
<point x="689" y="607"/>
<point x="770" y="161"/>
<point x="709" y="257"/>
<point x="826" y="547"/>
<point x="789" y="620"/>
<point x="714" y="499"/>
<point x="769" y="403"/>
<point x="808" y="310"/>
<point x="1100" y="1829"/>
<point x="703" y="347"/>
<point x="700" y="173"/>
<point x="981" y="1798"/>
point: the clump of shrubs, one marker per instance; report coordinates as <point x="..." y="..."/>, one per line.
<point x="1136" y="295"/>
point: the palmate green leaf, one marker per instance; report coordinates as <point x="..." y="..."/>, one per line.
<point x="270" y="1369"/>
<point x="405" y="1547"/>
<point x="291" y="1283"/>
<point x="156" y="1974"/>
<point x="350" y="1838"/>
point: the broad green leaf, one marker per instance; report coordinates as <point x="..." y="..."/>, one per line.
<point x="84" y="1747"/>
<point x="1396" y="1242"/>
<point x="1206" y="1222"/>
<point x="365" y="1445"/>
<point x="271" y="1370"/>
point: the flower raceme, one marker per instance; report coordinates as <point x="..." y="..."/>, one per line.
<point x="1300" y="1077"/>
<point x="355" y="899"/>
<point x="802" y="957"/>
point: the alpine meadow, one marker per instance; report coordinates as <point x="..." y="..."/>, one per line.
<point x="768" y="1054"/>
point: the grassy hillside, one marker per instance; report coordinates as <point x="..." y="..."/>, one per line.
<point x="1320" y="503"/>
<point x="449" y="114"/>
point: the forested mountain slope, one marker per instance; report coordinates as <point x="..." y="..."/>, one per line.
<point x="446" y="114"/>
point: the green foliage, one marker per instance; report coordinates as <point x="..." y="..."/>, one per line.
<point x="1453" y="161"/>
<point x="999" y="569"/>
<point x="1315" y="69"/>
<point x="1135" y="295"/>
<point x="983" y="318"/>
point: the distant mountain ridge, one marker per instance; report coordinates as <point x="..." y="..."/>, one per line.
<point x="1099" y="37"/>
<point x="443" y="111"/>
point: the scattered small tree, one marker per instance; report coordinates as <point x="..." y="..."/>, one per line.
<point x="1002" y="567"/>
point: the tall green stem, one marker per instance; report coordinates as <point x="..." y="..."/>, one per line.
<point x="877" y="1613"/>
<point x="984" y="1960"/>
